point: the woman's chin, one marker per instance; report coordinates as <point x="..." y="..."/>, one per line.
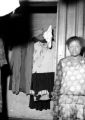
<point x="75" y="55"/>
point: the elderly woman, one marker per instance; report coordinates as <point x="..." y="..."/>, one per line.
<point x="69" y="87"/>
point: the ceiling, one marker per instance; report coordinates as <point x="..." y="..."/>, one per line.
<point x="43" y="0"/>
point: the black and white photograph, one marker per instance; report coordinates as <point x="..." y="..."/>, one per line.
<point x="42" y="59"/>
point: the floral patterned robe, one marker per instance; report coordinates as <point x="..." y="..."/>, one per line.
<point x="69" y="90"/>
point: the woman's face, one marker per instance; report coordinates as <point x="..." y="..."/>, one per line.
<point x="74" y="48"/>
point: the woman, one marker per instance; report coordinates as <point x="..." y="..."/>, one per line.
<point x="69" y="87"/>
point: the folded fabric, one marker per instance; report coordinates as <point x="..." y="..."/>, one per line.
<point x="48" y="36"/>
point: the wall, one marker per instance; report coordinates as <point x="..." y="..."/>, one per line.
<point x="41" y="21"/>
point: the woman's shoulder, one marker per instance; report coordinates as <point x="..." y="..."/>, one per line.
<point x="66" y="59"/>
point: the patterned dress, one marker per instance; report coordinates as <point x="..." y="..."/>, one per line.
<point x="69" y="90"/>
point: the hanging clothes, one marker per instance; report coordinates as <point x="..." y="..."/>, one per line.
<point x="28" y="65"/>
<point x="24" y="68"/>
<point x="22" y="71"/>
<point x="41" y="84"/>
<point x="16" y="64"/>
<point x="42" y="81"/>
<point x="44" y="59"/>
<point x="40" y="104"/>
<point x="44" y="62"/>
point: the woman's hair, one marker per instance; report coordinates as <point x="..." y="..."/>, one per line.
<point x="75" y="38"/>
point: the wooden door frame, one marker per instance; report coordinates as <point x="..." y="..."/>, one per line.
<point x="40" y="7"/>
